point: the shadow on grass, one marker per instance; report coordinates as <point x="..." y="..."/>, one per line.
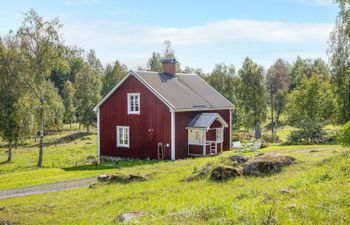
<point x="114" y="165"/>
<point x="5" y="162"/>
<point x="67" y="139"/>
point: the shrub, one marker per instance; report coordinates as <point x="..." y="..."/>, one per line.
<point x="271" y="139"/>
<point x="344" y="134"/>
<point x="310" y="132"/>
<point x="242" y="136"/>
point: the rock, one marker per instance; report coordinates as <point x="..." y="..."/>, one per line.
<point x="119" y="178"/>
<point x="266" y="164"/>
<point x="103" y="178"/>
<point x="5" y="222"/>
<point x="126" y="217"/>
<point x="86" y="138"/>
<point x="224" y="172"/>
<point x="285" y="191"/>
<point x="2" y="208"/>
<point x="313" y="151"/>
<point x="239" y="158"/>
<point x="93" y="185"/>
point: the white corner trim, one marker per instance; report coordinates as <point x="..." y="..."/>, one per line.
<point x="230" y="131"/>
<point x="98" y="136"/>
<point x="172" y="135"/>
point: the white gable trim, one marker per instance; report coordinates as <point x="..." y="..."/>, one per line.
<point x="171" y="107"/>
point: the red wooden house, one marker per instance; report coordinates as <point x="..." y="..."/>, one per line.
<point x="164" y="115"/>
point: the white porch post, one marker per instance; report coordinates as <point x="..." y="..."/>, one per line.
<point x="172" y="135"/>
<point x="98" y="136"/>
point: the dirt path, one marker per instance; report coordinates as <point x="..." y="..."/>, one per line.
<point x="58" y="186"/>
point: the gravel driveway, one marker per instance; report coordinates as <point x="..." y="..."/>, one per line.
<point x="58" y="186"/>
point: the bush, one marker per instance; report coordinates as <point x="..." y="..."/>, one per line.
<point x="310" y="132"/>
<point x="344" y="134"/>
<point x="271" y="139"/>
<point x="242" y="136"/>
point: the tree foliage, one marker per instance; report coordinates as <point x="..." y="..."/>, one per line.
<point x="112" y="75"/>
<point x="311" y="100"/>
<point x="40" y="43"/>
<point x="251" y="94"/>
<point x="88" y="89"/>
<point x="339" y="53"/>
<point x="10" y="91"/>
<point x="68" y="101"/>
<point x="277" y="83"/>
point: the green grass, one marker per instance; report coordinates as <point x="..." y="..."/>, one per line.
<point x="319" y="185"/>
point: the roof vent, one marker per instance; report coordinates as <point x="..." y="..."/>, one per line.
<point x="169" y="65"/>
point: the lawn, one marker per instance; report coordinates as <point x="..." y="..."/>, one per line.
<point x="318" y="184"/>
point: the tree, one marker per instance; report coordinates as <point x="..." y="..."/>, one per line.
<point x="41" y="45"/>
<point x="251" y="94"/>
<point x="94" y="62"/>
<point x="68" y="101"/>
<point x="222" y="78"/>
<point x="154" y="62"/>
<point x="88" y="86"/>
<point x="312" y="100"/>
<point x="310" y="105"/>
<point x="113" y="74"/>
<point x="277" y="82"/>
<point x="339" y="53"/>
<point x="10" y="91"/>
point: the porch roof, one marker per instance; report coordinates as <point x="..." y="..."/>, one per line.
<point x="205" y="120"/>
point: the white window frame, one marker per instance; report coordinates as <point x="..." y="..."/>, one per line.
<point x="220" y="134"/>
<point x="130" y="104"/>
<point x="125" y="130"/>
<point x="196" y="136"/>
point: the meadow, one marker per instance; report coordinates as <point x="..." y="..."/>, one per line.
<point x="318" y="187"/>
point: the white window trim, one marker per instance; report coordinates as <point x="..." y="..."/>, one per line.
<point x="221" y="131"/>
<point x="128" y="99"/>
<point x="194" y="141"/>
<point x="118" y="140"/>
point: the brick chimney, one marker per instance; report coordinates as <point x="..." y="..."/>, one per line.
<point x="169" y="65"/>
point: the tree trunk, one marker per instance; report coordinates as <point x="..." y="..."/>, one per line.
<point x="10" y="152"/>
<point x="272" y="115"/>
<point x="70" y="126"/>
<point x="88" y="129"/>
<point x="41" y="145"/>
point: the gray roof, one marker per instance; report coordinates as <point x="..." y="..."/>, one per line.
<point x="204" y="120"/>
<point x="185" y="91"/>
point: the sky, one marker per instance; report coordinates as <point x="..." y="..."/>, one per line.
<point x="202" y="32"/>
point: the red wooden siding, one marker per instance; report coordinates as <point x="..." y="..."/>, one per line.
<point x="181" y="136"/>
<point x="152" y="126"/>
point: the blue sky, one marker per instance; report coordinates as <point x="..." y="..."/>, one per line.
<point x="203" y="33"/>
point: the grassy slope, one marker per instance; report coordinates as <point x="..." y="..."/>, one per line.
<point x="319" y="194"/>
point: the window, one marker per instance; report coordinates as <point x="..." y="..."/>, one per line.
<point x="133" y="103"/>
<point x="219" y="134"/>
<point x="196" y="137"/>
<point x="122" y="136"/>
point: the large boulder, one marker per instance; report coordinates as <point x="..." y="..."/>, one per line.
<point x="224" y="172"/>
<point x="266" y="164"/>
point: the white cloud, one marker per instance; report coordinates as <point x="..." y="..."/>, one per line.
<point x="132" y="43"/>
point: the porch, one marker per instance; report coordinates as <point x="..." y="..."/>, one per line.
<point x="206" y="134"/>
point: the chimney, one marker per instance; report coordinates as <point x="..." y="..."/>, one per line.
<point x="169" y="65"/>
